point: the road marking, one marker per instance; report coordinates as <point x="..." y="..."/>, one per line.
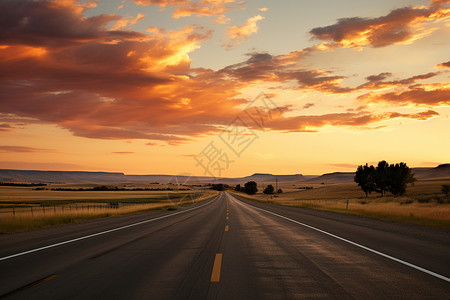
<point x="228" y="218"/>
<point x="215" y="276"/>
<point x="356" y="244"/>
<point x="104" y="232"/>
<point x="29" y="285"/>
<point x="226" y="227"/>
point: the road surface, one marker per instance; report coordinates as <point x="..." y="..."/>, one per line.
<point x="227" y="248"/>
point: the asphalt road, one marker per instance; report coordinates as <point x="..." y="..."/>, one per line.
<point x="227" y="248"/>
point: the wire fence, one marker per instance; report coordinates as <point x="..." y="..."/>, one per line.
<point x="67" y="208"/>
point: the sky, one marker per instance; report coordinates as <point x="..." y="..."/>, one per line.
<point x="223" y="87"/>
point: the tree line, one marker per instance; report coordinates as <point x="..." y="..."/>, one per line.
<point x="251" y="188"/>
<point x="384" y="177"/>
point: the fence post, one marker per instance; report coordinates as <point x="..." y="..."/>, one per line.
<point x="31" y="207"/>
<point x="14" y="212"/>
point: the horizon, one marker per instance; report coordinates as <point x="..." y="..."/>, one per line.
<point x="221" y="88"/>
<point x="194" y="175"/>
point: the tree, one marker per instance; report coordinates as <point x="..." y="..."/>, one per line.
<point x="365" y="178"/>
<point x="385" y="177"/>
<point x="218" y="187"/>
<point x="251" y="187"/>
<point x="398" y="176"/>
<point x="381" y="177"/>
<point x="238" y="188"/>
<point x="269" y="189"/>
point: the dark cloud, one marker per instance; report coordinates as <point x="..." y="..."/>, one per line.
<point x="399" y="26"/>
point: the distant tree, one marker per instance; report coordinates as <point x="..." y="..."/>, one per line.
<point x="385" y="177"/>
<point x="251" y="187"/>
<point x="365" y="178"/>
<point x="269" y="189"/>
<point x="445" y="189"/>
<point x="238" y="188"/>
<point x="218" y="187"/>
<point x="280" y="191"/>
<point x="381" y="177"/>
<point x="398" y="176"/>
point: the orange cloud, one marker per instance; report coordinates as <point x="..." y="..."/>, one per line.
<point x="203" y="8"/>
<point x="444" y="65"/>
<point x="124" y="22"/>
<point x="236" y="34"/>
<point x="315" y="122"/>
<point x="100" y="83"/>
<point x="400" y="26"/>
<point x="23" y="149"/>
<point x="419" y="94"/>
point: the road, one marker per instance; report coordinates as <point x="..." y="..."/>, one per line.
<point x="227" y="248"/>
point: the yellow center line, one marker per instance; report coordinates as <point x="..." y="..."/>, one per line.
<point x="215" y="276"/>
<point x="228" y="218"/>
<point x="226" y="227"/>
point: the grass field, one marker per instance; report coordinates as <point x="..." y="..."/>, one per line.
<point x="424" y="204"/>
<point x="22" y="208"/>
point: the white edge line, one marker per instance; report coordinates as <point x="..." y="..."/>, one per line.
<point x="103" y="232"/>
<point x="356" y="244"/>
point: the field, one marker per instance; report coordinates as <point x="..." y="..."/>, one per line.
<point x="23" y="208"/>
<point x="423" y="204"/>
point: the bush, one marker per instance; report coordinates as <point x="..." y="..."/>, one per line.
<point x="269" y="190"/>
<point x="251" y="188"/>
<point x="280" y="191"/>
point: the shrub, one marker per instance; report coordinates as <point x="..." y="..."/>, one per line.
<point x="251" y="188"/>
<point x="269" y="189"/>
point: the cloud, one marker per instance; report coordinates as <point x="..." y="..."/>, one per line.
<point x="400" y="26"/>
<point x="444" y="65"/>
<point x="263" y="9"/>
<point x="308" y="105"/>
<point x="5" y="127"/>
<point x="124" y="22"/>
<point x="60" y="67"/>
<point x="375" y="82"/>
<point x="237" y="34"/>
<point x="439" y="2"/>
<point x="360" y="119"/>
<point x="419" y="94"/>
<point x="203" y="8"/>
<point x="22" y="149"/>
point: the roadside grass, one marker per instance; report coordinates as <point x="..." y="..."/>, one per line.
<point x="10" y="223"/>
<point x="424" y="204"/>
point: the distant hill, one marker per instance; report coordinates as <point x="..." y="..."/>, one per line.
<point x="330" y="178"/>
<point x="59" y="176"/>
<point x="6" y="175"/>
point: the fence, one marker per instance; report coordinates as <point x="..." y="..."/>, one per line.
<point x="54" y="209"/>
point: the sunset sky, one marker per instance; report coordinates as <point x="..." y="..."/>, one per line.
<point x="223" y="87"/>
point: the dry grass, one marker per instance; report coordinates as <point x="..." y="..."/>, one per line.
<point x="23" y="221"/>
<point x="422" y="205"/>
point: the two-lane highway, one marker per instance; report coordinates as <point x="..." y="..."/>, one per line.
<point x="227" y="248"/>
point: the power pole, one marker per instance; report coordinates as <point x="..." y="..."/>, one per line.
<point x="276" y="185"/>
